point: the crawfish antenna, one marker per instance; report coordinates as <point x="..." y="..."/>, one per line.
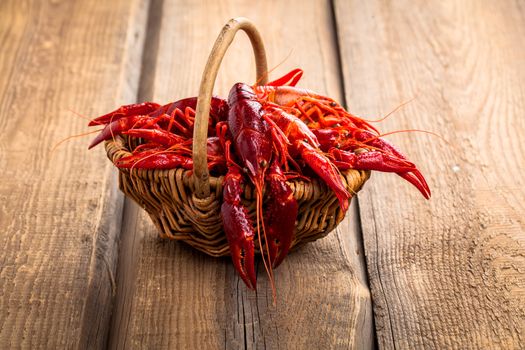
<point x="83" y="116"/>
<point x="260" y="221"/>
<point x="403" y="104"/>
<point x="267" y="73"/>
<point x="409" y="130"/>
<point x="54" y="148"/>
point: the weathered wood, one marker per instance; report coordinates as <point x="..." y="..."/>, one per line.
<point x="60" y="212"/>
<point x="174" y="297"/>
<point x="448" y="273"/>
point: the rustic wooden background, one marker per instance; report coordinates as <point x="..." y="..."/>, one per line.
<point x="81" y="267"/>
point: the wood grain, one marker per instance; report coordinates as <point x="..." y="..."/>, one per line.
<point x="60" y="211"/>
<point x="174" y="297"/>
<point x="448" y="273"/>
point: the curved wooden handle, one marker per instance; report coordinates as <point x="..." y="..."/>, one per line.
<point x="200" y="131"/>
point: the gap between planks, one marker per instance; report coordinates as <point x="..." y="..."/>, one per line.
<point x="129" y="83"/>
<point x="130" y="246"/>
<point x="60" y="212"/>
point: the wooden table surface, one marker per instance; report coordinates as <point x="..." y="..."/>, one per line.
<point x="82" y="267"/>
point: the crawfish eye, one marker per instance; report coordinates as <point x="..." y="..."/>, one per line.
<point x="264" y="163"/>
<point x="245" y="170"/>
<point x="333" y="104"/>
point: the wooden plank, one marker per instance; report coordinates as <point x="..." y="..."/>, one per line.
<point x="174" y="297"/>
<point x="447" y="273"/>
<point x="60" y="212"/>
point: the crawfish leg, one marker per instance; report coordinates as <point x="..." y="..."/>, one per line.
<point x="159" y="136"/>
<point x="181" y="121"/>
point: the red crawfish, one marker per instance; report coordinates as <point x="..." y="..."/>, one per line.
<point x="176" y="117"/>
<point x="252" y="140"/>
<point x="340" y="132"/>
<point x="314" y="109"/>
<point x="160" y="155"/>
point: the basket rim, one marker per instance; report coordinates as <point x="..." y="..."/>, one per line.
<point x="116" y="149"/>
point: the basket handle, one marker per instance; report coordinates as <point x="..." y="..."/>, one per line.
<point x="200" y="131"/>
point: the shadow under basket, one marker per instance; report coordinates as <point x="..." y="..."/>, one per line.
<point x="169" y="198"/>
<point x="186" y="205"/>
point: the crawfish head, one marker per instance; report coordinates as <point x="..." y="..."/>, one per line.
<point x="251" y="135"/>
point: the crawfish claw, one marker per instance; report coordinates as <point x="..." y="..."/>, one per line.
<point x="381" y="161"/>
<point x="125" y="111"/>
<point x="289" y="79"/>
<point x="240" y="238"/>
<point x="372" y="160"/>
<point x="238" y="226"/>
<point x="416" y="178"/>
<point x="279" y="246"/>
<point x="280" y="216"/>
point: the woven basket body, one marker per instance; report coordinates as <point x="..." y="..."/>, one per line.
<point x="169" y="198"/>
<point x="185" y="205"/>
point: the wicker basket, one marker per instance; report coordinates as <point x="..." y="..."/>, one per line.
<point x="185" y="205"/>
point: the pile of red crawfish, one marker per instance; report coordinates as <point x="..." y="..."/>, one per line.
<point x="265" y="135"/>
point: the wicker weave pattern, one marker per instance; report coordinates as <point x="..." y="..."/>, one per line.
<point x="168" y="197"/>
